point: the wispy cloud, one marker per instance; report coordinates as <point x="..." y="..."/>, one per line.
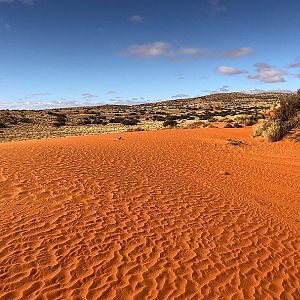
<point x="28" y="2"/>
<point x="230" y="71"/>
<point x="216" y="7"/>
<point x="181" y="54"/>
<point x="261" y="91"/>
<point x="112" y="92"/>
<point x="188" y="54"/>
<point x="224" y="89"/>
<point x="135" y="19"/>
<point x="164" y="49"/>
<point x="180" y="76"/>
<point x="210" y="91"/>
<point x="265" y="73"/>
<point x="295" y="64"/>
<point x="88" y="96"/>
<point x="4" y="24"/>
<point x="150" y="50"/>
<point x="37" y="95"/>
<point x="237" y="52"/>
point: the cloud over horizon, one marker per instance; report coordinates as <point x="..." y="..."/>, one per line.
<point x="265" y="73"/>
<point x="178" y="96"/>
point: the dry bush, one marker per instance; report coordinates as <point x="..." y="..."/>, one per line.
<point x="260" y="127"/>
<point x="280" y="120"/>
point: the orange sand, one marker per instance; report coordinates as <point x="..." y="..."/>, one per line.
<point x="150" y="217"/>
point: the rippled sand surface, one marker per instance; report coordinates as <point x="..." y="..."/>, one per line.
<point x="151" y="216"/>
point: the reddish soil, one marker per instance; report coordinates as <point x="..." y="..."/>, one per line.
<point x="153" y="215"/>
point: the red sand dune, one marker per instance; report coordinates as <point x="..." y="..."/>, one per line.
<point x="150" y="216"/>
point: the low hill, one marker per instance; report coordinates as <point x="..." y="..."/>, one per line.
<point x="33" y="124"/>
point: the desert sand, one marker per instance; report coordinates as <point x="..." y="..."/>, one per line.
<point x="173" y="214"/>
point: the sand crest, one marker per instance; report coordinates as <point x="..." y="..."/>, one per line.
<point x="150" y="216"/>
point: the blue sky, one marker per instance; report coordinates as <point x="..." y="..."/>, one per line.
<point x="74" y="52"/>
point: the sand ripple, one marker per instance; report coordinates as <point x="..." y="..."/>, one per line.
<point x="150" y="217"/>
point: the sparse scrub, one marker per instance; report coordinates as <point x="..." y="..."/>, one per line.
<point x="116" y="120"/>
<point x="61" y="120"/>
<point x="237" y="125"/>
<point x="130" y="122"/>
<point x="170" y="123"/>
<point x="158" y="118"/>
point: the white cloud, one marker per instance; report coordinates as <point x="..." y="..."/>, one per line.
<point x="181" y="54"/>
<point x="230" y="71"/>
<point x="164" y="49"/>
<point x="135" y="19"/>
<point x="267" y="74"/>
<point x="237" y="52"/>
